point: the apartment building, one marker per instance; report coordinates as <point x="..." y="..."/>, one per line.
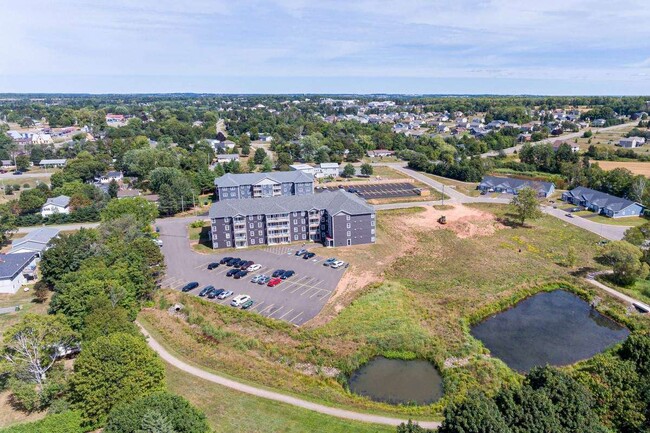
<point x="333" y="218"/>
<point x="261" y="185"/>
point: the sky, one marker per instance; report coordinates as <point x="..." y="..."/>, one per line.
<point x="554" y="47"/>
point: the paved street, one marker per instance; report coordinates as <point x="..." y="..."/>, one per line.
<point x="11" y="176"/>
<point x="295" y="300"/>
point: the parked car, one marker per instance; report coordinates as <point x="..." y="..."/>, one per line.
<point x="308" y="256"/>
<point x="246" y="264"/>
<point x="213" y="265"/>
<point x="253" y="268"/>
<point x="236" y="263"/>
<point x="232" y="261"/>
<point x="575" y="209"/>
<point x="158" y="242"/>
<point x="189" y="286"/>
<point x="214" y="293"/>
<point x="301" y="251"/>
<point x="241" y="274"/>
<point x="257" y="278"/>
<point x="225" y="260"/>
<point x="225" y="294"/>
<point x="277" y="273"/>
<point x="264" y="280"/>
<point x="274" y="282"/>
<point x="205" y="290"/>
<point x="246" y="305"/>
<point x="329" y="261"/>
<point x="239" y="300"/>
<point x="287" y="274"/>
<point x="17" y="173"/>
<point x="353" y="190"/>
<point x="568" y="215"/>
<point x="232" y="272"/>
<point x="337" y="264"/>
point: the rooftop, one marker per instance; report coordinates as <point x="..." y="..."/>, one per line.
<point x="601" y="199"/>
<point x="12" y="264"/>
<point x="230" y="179"/>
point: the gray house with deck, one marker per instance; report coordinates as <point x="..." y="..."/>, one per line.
<point x="261" y="185"/>
<point x="333" y="218"/>
<point x="602" y="203"/>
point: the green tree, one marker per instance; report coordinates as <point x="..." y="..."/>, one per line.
<point x="7" y="223"/>
<point x="571" y="257"/>
<point x="267" y="165"/>
<point x="106" y="319"/>
<point x="259" y="155"/>
<point x="179" y="413"/>
<point x="22" y="162"/>
<point x="144" y="211"/>
<point x="636" y="348"/>
<point x="114" y="369"/>
<point x="113" y="188"/>
<point x="625" y="260"/>
<point x="411" y="427"/>
<point x="527" y="411"/>
<point x="526" y="205"/>
<point x="251" y="165"/>
<point x="155" y="422"/>
<point x="366" y="169"/>
<point x="284" y="161"/>
<point x="348" y="171"/>
<point x="32" y="346"/>
<point x="477" y="414"/>
<point x="67" y="253"/>
<point x="31" y="201"/>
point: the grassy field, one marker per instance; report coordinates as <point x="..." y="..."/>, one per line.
<point x="30" y="181"/>
<point x="25" y="300"/>
<point x="229" y="411"/>
<point x="467" y="188"/>
<point x="416" y="290"/>
<point x="635" y="167"/>
<point x="602" y="138"/>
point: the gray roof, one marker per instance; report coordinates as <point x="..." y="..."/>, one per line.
<point x="12" y="264"/>
<point x="36" y="240"/>
<point x="52" y="161"/>
<point x="515" y="184"/>
<point x="230" y="179"/>
<point x="332" y="201"/>
<point x="62" y="201"/>
<point x="601" y="199"/>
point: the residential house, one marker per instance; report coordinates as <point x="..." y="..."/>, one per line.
<point x="599" y="123"/>
<point x="15" y="270"/>
<point x="56" y="205"/>
<point x="380" y="153"/>
<point x="110" y="176"/>
<point x="265" y="138"/>
<point x="333" y="218"/>
<point x="631" y="142"/>
<point x="574" y="147"/>
<point x="52" y="163"/>
<point x="327" y="169"/>
<point x="227" y="157"/>
<point x="36" y="241"/>
<point x="258" y="185"/>
<point x="510" y="185"/>
<point x="602" y="203"/>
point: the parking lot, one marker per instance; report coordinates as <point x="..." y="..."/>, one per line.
<point x="384" y="190"/>
<point x="295" y="300"/>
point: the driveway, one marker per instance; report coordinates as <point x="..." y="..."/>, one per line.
<point x="295" y="300"/>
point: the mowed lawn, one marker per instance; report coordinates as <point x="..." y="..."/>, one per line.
<point x="426" y="284"/>
<point x="230" y="411"/>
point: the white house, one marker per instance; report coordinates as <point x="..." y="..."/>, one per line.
<point x="265" y="138"/>
<point x="328" y="169"/>
<point x="15" y="269"/>
<point x="110" y="176"/>
<point x="60" y="204"/>
<point x="227" y="157"/>
<point x="42" y="138"/>
<point x="36" y="241"/>
<point x="380" y="153"/>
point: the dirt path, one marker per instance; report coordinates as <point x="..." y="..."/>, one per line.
<point x="275" y="396"/>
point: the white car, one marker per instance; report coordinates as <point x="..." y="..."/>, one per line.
<point x="158" y="242"/>
<point x="239" y="300"/>
<point x="255" y="267"/>
<point x="337" y="264"/>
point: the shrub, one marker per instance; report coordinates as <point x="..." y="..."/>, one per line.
<point x="65" y="422"/>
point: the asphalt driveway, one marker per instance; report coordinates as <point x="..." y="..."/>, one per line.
<point x="295" y="300"/>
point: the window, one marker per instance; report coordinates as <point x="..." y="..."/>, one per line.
<point x="295" y="214"/>
<point x="251" y="226"/>
<point x="228" y="243"/>
<point x="372" y="231"/>
<point x="295" y="222"/>
<point x="349" y="242"/>
<point x="295" y="238"/>
<point x="347" y="217"/>
<point x="372" y="223"/>
<point x="250" y="218"/>
<point x="372" y="239"/>
<point x="322" y="226"/>
<point x="349" y="234"/>
<point x="348" y="225"/>
<point x="259" y="217"/>
<point x="252" y="233"/>
<point x="252" y="241"/>
<point x="259" y="232"/>
<point x="304" y="237"/>
<point x="259" y="225"/>
<point x="227" y="235"/>
<point x="372" y="216"/>
<point x="295" y="229"/>
<point x="227" y="227"/>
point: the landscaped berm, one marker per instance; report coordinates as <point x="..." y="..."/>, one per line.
<point x="412" y="295"/>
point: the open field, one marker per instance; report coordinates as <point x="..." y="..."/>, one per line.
<point x="635" y="167"/>
<point x="604" y="138"/>
<point x="24" y="299"/>
<point x="229" y="411"/>
<point x="467" y="188"/>
<point x="410" y="294"/>
<point x="22" y="181"/>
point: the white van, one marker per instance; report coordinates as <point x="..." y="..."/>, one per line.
<point x="239" y="300"/>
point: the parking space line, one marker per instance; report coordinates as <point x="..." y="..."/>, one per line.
<point x="285" y="314"/>
<point x="296" y="317"/>
<point x="266" y="308"/>
<point x="274" y="312"/>
<point x="257" y="306"/>
<point x="309" y="289"/>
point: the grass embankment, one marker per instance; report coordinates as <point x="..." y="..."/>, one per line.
<point x="421" y="290"/>
<point x="467" y="188"/>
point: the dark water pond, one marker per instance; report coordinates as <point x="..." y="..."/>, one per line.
<point x="397" y="381"/>
<point x="556" y="328"/>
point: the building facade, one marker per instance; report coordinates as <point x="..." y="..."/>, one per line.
<point x="56" y="205"/>
<point x="602" y="203"/>
<point x="263" y="185"/>
<point x="334" y="219"/>
<point x="511" y="185"/>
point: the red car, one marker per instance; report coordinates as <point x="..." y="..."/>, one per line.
<point x="274" y="282"/>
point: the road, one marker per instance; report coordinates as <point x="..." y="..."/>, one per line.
<point x="622" y="296"/>
<point x="275" y="396"/>
<point x="62" y="227"/>
<point x="611" y="232"/>
<point x="570" y="136"/>
<point x="11" y="176"/>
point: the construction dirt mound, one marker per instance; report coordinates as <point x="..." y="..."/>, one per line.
<point x="465" y="221"/>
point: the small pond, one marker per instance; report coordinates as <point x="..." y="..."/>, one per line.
<point x="398" y="381"/>
<point x="556" y="328"/>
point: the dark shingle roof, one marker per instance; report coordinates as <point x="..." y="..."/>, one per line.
<point x="333" y="201"/>
<point x="230" y="179"/>
<point x="515" y="184"/>
<point x="601" y="199"/>
<point x="12" y="264"/>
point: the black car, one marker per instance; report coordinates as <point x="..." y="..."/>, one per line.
<point x="287" y="274"/>
<point x="232" y="272"/>
<point x="206" y="290"/>
<point x="247" y="264"/>
<point x="212" y="266"/>
<point x="214" y="293"/>
<point x="189" y="286"/>
<point x="241" y="274"/>
<point x="277" y="273"/>
<point x="224" y="260"/>
<point x="232" y="261"/>
<point x="308" y="256"/>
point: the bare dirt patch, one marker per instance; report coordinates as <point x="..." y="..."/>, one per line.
<point x="642" y="168"/>
<point x="465" y="221"/>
